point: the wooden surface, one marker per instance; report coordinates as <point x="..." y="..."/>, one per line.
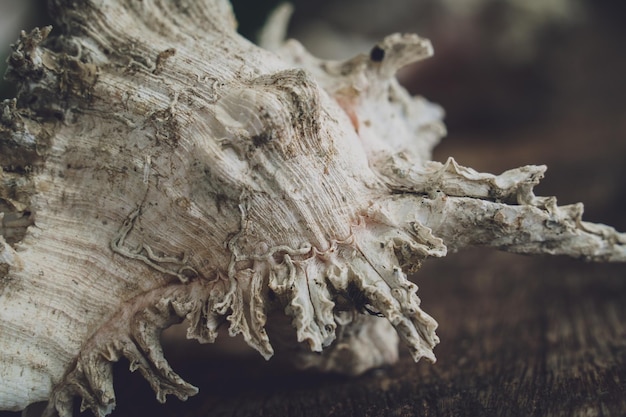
<point x="519" y="337"/>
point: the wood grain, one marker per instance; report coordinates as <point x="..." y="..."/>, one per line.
<point x="519" y="337"/>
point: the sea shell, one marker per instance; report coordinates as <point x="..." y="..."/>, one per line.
<point x="158" y="167"/>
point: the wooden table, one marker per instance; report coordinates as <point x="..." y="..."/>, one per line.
<point x="519" y="336"/>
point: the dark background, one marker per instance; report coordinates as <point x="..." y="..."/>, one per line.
<point x="519" y="336"/>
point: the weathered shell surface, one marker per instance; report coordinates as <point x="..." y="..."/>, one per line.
<point x="157" y="167"/>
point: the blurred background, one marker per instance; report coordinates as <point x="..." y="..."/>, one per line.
<point x="522" y="81"/>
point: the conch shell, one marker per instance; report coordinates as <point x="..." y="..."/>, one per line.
<point x="157" y="167"/>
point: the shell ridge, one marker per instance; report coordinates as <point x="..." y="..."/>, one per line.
<point x="501" y="211"/>
<point x="247" y="308"/>
<point x="144" y="253"/>
<point x="390" y="292"/>
<point x="133" y="332"/>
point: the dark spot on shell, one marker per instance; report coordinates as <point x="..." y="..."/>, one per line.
<point x="261" y="139"/>
<point x="360" y="302"/>
<point x="161" y="58"/>
<point x="377" y="54"/>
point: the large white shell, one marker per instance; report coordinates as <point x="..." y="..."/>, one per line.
<point x="158" y="167"/>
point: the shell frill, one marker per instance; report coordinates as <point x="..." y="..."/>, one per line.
<point x="156" y="167"/>
<point x="309" y="284"/>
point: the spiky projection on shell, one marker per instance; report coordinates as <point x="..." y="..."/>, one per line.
<point x="157" y="167"/>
